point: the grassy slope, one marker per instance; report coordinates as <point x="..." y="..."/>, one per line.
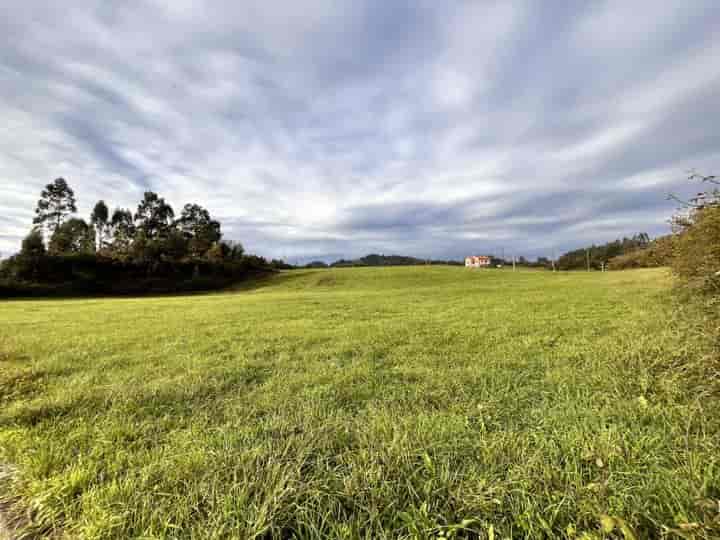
<point x="355" y="403"/>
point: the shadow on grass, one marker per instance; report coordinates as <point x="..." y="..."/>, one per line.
<point x="274" y="279"/>
<point x="13" y="515"/>
<point x="70" y="291"/>
<point x="145" y="403"/>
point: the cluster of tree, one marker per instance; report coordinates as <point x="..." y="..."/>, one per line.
<point x="595" y="257"/>
<point x="152" y="232"/>
<point x="123" y="245"/>
<point x="658" y="252"/>
<point x="375" y="259"/>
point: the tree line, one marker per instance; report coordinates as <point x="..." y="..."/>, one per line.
<point x="125" y="249"/>
<point x="152" y="232"/>
<point x="596" y="257"/>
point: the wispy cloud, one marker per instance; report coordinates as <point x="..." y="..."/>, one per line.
<point x="328" y="128"/>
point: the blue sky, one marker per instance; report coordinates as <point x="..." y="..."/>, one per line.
<point x="326" y="128"/>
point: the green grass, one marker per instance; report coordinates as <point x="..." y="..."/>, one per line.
<point x="364" y="403"/>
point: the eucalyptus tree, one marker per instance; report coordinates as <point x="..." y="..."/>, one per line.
<point x="56" y="204"/>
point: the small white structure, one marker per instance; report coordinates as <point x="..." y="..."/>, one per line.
<point x="478" y="261"/>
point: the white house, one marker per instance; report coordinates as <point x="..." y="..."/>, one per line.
<point x="478" y="261"/>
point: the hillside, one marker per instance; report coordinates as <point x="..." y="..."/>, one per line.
<point x="391" y="260"/>
<point x="362" y="403"/>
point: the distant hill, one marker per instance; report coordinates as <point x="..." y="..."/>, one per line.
<point x="375" y="259"/>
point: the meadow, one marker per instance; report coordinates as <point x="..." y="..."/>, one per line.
<point x="409" y="402"/>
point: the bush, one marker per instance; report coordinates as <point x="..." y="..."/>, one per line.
<point x="696" y="260"/>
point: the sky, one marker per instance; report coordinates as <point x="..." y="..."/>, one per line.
<point x="328" y="128"/>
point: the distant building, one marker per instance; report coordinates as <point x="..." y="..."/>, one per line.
<point x="478" y="261"/>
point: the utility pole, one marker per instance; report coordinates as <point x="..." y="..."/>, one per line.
<point x="553" y="259"/>
<point x="513" y="263"/>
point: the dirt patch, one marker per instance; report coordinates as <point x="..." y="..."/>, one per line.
<point x="13" y="520"/>
<point x="6" y="524"/>
<point x="5" y="533"/>
<point x="12" y="356"/>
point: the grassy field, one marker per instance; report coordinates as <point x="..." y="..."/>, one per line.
<point x="373" y="403"/>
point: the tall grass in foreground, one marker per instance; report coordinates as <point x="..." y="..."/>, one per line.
<point x="365" y="403"/>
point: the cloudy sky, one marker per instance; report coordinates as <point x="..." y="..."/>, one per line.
<point x="328" y="128"/>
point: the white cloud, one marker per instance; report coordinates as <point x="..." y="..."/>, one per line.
<point x="599" y="143"/>
<point x="288" y="121"/>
